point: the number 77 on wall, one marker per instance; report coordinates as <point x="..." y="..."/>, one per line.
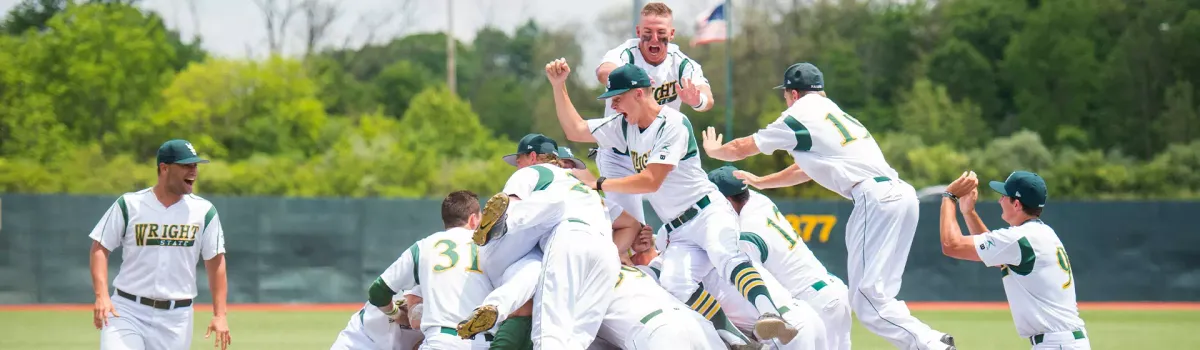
<point x="806" y="224"/>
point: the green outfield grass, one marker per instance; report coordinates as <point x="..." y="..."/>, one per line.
<point x="974" y="330"/>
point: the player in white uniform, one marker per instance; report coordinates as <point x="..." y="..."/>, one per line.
<point x="164" y="230"/>
<point x="662" y="147"/>
<point x="835" y="150"/>
<point x="674" y="77"/>
<point x="580" y="261"/>
<point x="1034" y="266"/>
<point x="445" y="266"/>
<point x="369" y="329"/>
<point x="768" y="237"/>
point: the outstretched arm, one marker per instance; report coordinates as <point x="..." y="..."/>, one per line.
<point x="573" y="125"/>
<point x="790" y="176"/>
<point x="730" y="152"/>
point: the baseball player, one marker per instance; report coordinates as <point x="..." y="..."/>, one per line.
<point x="768" y="237"/>
<point x="663" y="150"/>
<point x="445" y="266"/>
<point x="164" y="230"/>
<point x="580" y="260"/>
<point x="1034" y="266"/>
<point x="835" y="150"/>
<point x="625" y="226"/>
<point x="369" y="329"/>
<point x="674" y="77"/>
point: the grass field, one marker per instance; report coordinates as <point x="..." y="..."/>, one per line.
<point x="973" y="329"/>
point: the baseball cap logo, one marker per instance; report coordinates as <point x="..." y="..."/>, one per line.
<point x="190" y="148"/>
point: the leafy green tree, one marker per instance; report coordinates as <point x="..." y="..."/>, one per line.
<point x="399" y="83"/>
<point x="236" y="109"/>
<point x="930" y="113"/>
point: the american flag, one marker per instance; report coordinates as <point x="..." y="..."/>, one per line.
<point x="710" y="26"/>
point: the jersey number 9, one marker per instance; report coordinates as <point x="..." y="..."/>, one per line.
<point x="1065" y="264"/>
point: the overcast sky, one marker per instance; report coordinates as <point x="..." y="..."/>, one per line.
<point x="233" y="28"/>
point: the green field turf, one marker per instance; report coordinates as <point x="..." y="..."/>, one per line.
<point x="974" y="330"/>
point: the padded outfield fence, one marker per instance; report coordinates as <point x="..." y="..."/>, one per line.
<point x="293" y="250"/>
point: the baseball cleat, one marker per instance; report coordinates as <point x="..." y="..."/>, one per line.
<point x="492" y="224"/>
<point x="948" y="339"/>
<point x="771" y="326"/>
<point x="482" y="319"/>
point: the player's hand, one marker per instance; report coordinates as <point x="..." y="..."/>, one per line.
<point x="104" y="307"/>
<point x="688" y="92"/>
<point x="966" y="204"/>
<point x="748" y="178"/>
<point x="964" y="184"/>
<point x="558" y="71"/>
<point x="221" y="328"/>
<point x="712" y="140"/>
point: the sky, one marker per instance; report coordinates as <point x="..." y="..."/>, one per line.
<point x="235" y="28"/>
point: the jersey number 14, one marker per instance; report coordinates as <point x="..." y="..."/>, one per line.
<point x="848" y="135"/>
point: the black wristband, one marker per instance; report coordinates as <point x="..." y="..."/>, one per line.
<point x="952" y="197"/>
<point x="600" y="183"/>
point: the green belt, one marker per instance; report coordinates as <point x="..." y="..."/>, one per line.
<point x="452" y="331"/>
<point x="820" y="284"/>
<point x="688" y="214"/>
<point x="1037" y="339"/>
<point x="882" y="179"/>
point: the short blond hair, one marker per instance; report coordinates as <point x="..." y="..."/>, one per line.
<point x="656" y="9"/>
<point x="547" y="158"/>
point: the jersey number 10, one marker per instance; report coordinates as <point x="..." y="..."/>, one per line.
<point x="847" y="135"/>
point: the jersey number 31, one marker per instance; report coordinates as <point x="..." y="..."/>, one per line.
<point x="451" y="253"/>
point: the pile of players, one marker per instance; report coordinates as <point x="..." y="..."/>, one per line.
<point x="560" y="259"/>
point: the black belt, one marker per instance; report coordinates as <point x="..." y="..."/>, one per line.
<point x="155" y="303"/>
<point x="1037" y="339"/>
<point x="688" y="214"/>
<point x="452" y="331"/>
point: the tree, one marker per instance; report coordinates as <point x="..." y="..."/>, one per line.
<point x="399" y="83"/>
<point x="966" y="75"/>
<point x="929" y="112"/>
<point x="97" y="66"/>
<point x="236" y="109"/>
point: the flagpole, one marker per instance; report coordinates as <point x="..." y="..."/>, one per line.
<point x="729" y="70"/>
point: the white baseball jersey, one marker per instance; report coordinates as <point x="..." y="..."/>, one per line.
<point x="668" y="140"/>
<point x="1037" y="276"/>
<point x="162" y="244"/>
<point x="768" y="237"/>
<point x="832" y="147"/>
<point x="445" y="268"/>
<point x="664" y="77"/>
<point x="582" y="202"/>
<point x="637" y="295"/>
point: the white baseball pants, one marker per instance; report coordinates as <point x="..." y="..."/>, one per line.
<point x="518" y="285"/>
<point x="1063" y="341"/>
<point x="580" y="268"/>
<point x="833" y="306"/>
<point x="529" y="222"/>
<point x="879" y="234"/>
<point x="614" y="166"/>
<point x="437" y="338"/>
<point x="675" y="328"/>
<point x="743" y="315"/>
<point x="141" y="327"/>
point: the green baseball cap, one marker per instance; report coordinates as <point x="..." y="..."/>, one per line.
<point x="726" y="183"/>
<point x="565" y="153"/>
<point x="532" y="143"/>
<point x="1027" y="187"/>
<point x="178" y="152"/>
<point x="625" y="78"/>
<point x="803" y="76"/>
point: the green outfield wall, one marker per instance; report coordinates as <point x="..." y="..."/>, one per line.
<point x="328" y="250"/>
